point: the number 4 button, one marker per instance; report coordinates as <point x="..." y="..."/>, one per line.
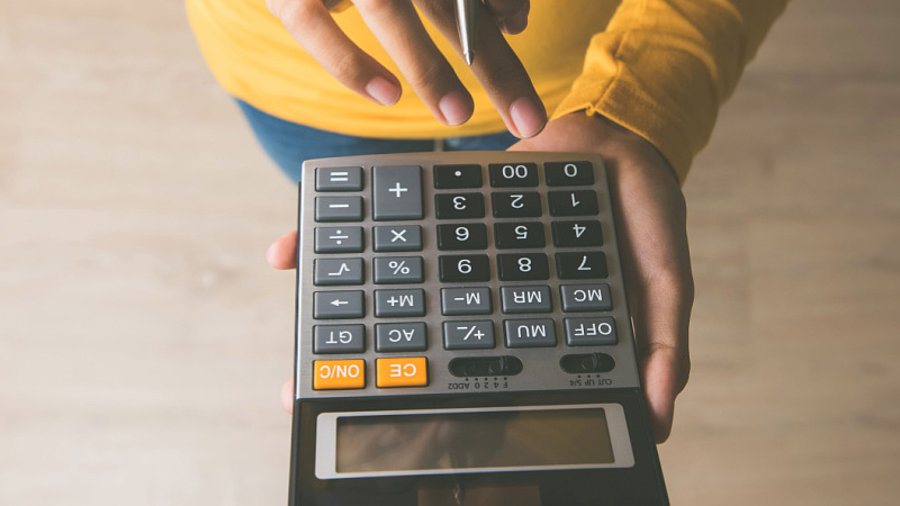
<point x="577" y="233"/>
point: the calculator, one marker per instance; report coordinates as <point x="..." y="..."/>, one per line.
<point x="463" y="336"/>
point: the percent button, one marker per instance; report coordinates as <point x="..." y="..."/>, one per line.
<point x="398" y="270"/>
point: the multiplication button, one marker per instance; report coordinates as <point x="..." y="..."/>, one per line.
<point x="397" y="193"/>
<point x="468" y="335"/>
<point x="397" y="238"/>
<point x="338" y="239"/>
<point x="530" y="333"/>
<point x="590" y="297"/>
<point x="339" y="338"/>
<point x="337" y="179"/>
<point x="462" y="301"/>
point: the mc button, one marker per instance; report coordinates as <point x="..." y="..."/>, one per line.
<point x="401" y="372"/>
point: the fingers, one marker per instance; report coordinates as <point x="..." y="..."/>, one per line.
<point x="287" y="396"/>
<point x="282" y="254"/>
<point x="511" y="15"/>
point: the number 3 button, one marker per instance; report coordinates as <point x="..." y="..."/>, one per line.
<point x="459" y="205"/>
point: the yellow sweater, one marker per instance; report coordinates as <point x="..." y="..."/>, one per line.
<point x="658" y="67"/>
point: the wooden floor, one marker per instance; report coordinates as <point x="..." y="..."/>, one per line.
<point x="143" y="340"/>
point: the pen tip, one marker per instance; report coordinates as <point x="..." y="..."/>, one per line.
<point x="470" y="57"/>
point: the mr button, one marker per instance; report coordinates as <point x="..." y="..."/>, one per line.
<point x="401" y="372"/>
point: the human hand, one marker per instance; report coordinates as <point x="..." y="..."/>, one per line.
<point x="651" y="222"/>
<point x="398" y="28"/>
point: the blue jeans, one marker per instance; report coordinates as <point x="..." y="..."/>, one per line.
<point x="289" y="144"/>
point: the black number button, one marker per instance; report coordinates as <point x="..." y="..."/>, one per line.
<point x="513" y="174"/>
<point x="459" y="205"/>
<point x="463" y="268"/>
<point x="569" y="173"/>
<point x="573" y="203"/>
<point x="519" y="235"/>
<point x="581" y="265"/>
<point x="457" y="176"/>
<point x="518" y="267"/>
<point x="513" y="205"/>
<point x="462" y="236"/>
<point x="577" y="233"/>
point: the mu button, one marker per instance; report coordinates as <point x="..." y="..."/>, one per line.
<point x="338" y="374"/>
<point x="402" y="372"/>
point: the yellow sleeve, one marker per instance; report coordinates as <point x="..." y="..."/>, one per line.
<point x="662" y="68"/>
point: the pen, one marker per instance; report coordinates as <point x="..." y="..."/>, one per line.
<point x="465" y="21"/>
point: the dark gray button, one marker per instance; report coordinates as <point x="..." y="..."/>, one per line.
<point x="335" y="179"/>
<point x="525" y="299"/>
<point x="339" y="338"/>
<point x="397" y="270"/>
<point x="529" y="333"/>
<point x="403" y="302"/>
<point x="459" y="301"/>
<point x="397" y="238"/>
<point x="590" y="331"/>
<point x="338" y="304"/>
<point x="337" y="271"/>
<point x="591" y="297"/>
<point x="400" y="337"/>
<point x="339" y="209"/>
<point x="339" y="239"/>
<point x="468" y="335"/>
<point x="397" y="193"/>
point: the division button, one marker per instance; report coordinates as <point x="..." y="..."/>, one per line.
<point x="457" y="176"/>
<point x="401" y="372"/>
<point x="464" y="367"/>
<point x="339" y="374"/>
<point x="573" y="203"/>
<point x="402" y="302"/>
<point x="337" y="179"/>
<point x="462" y="236"/>
<point x="514" y="205"/>
<point x="569" y="173"/>
<point x="522" y="266"/>
<point x="463" y="301"/>
<point x="459" y="205"/>
<point x="339" y="338"/>
<point x="397" y="270"/>
<point x="513" y="174"/>
<point x="581" y="265"/>
<point x="397" y="238"/>
<point x="529" y="234"/>
<point x="339" y="209"/>
<point x="592" y="297"/>
<point x="338" y="304"/>
<point x="400" y="337"/>
<point x="577" y="233"/>
<point x="397" y="193"/>
<point x="462" y="268"/>
<point x="587" y="363"/>
<point x="339" y="239"/>
<point x="337" y="271"/>
<point x="468" y="335"/>
<point x="525" y="299"/>
<point x="590" y="331"/>
<point x="530" y="333"/>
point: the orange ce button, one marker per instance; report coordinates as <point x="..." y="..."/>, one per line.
<point x="401" y="372"/>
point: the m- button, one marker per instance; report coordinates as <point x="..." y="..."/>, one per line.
<point x="401" y="372"/>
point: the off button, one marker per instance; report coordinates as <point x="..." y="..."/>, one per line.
<point x="402" y="372"/>
<point x="339" y="374"/>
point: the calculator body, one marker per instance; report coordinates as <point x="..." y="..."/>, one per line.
<point x="463" y="336"/>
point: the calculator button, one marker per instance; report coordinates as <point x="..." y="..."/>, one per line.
<point x="530" y="333"/>
<point x="519" y="235"/>
<point x="339" y="209"/>
<point x="338" y="179"/>
<point x="513" y="205"/>
<point x="590" y="331"/>
<point x="397" y="193"/>
<point x="397" y="270"/>
<point x="525" y="299"/>
<point x="460" y="301"/>
<point x="462" y="236"/>
<point x="457" y="176"/>
<point x="577" y="233"/>
<point x="401" y="372"/>
<point x="397" y="238"/>
<point x="569" y="173"/>
<point x="581" y="265"/>
<point x="337" y="271"/>
<point x="338" y="239"/>
<point x="573" y="203"/>
<point x="461" y="268"/>
<point x="587" y="363"/>
<point x="593" y="297"/>
<point x="468" y="335"/>
<point x="339" y="338"/>
<point x="403" y="302"/>
<point x="513" y="174"/>
<point x="400" y="337"/>
<point x="465" y="367"/>
<point x="459" y="205"/>
<point x="339" y="374"/>
<point x="338" y="304"/>
<point x="522" y="266"/>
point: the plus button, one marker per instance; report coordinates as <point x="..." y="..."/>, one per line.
<point x="397" y="189"/>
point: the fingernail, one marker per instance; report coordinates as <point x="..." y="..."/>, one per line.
<point x="527" y="116"/>
<point x="383" y="91"/>
<point x="515" y="24"/>
<point x="456" y="108"/>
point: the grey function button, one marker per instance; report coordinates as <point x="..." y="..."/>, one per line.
<point x="590" y="331"/>
<point x="589" y="297"/>
<point x="338" y="304"/>
<point x="468" y="335"/>
<point x="525" y="299"/>
<point x="339" y="209"/>
<point x="459" y="301"/>
<point x="404" y="302"/>
<point x="339" y="338"/>
<point x="529" y="333"/>
<point x="337" y="179"/>
<point x="339" y="239"/>
<point x="397" y="193"/>
<point x="337" y="271"/>
<point x="400" y="337"/>
<point x="398" y="270"/>
<point x="397" y="238"/>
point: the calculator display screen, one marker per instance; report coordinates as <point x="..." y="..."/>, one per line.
<point x="472" y="440"/>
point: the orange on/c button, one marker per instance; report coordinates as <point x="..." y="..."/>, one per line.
<point x="401" y="372"/>
<point x="337" y="374"/>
